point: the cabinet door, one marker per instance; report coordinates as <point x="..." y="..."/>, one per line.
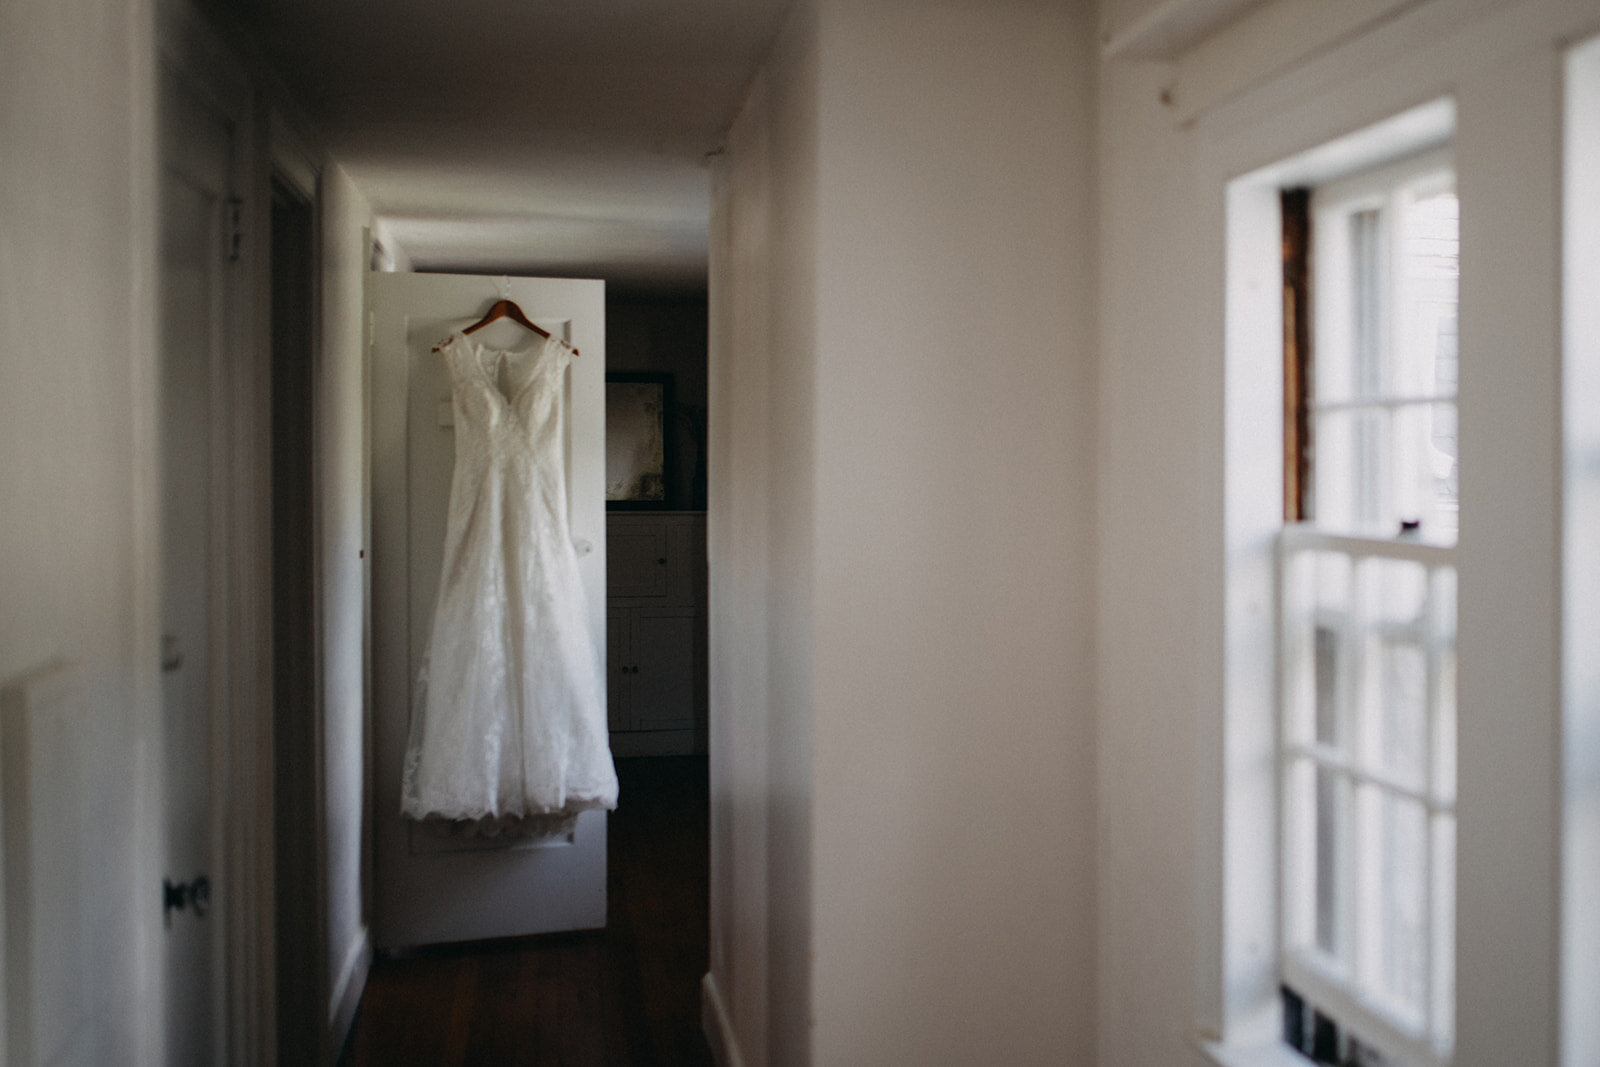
<point x="617" y="661"/>
<point x="662" y="681"/>
<point x="636" y="559"/>
<point x="686" y="553"/>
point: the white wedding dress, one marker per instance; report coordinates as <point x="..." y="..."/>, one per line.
<point x="509" y="717"/>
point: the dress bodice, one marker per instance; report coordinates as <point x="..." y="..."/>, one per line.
<point x="490" y="384"/>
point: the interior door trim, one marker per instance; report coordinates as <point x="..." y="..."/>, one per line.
<point x="242" y="786"/>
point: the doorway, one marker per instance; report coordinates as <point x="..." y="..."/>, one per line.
<point x="298" y="911"/>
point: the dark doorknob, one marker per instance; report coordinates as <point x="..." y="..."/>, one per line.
<point x="179" y="896"/>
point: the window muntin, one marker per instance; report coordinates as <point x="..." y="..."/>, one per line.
<point x="1367" y="655"/>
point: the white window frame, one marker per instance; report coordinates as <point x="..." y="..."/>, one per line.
<point x="1527" y="867"/>
<point x="1347" y="991"/>
<point x="1239" y="1007"/>
<point x="1580" y="960"/>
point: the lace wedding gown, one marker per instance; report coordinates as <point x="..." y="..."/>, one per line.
<point x="509" y="716"/>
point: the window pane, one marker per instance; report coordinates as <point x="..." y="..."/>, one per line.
<point x="1403" y="916"/>
<point x="1395" y="592"/>
<point x="1333" y="791"/>
<point x="1300" y="857"/>
<point x="1329" y="665"/>
<point x="1375" y="466"/>
<point x="1350" y="470"/>
<point x="1401" y="723"/>
<point x="1316" y="602"/>
<point x="1426" y="326"/>
<point x="1444" y="458"/>
<point x="1424" y="361"/>
<point x="1394" y="704"/>
<point x="1366" y="305"/>
<point x="1317" y="843"/>
<point x="1444" y="636"/>
<point x="1423" y="474"/>
<point x="1444" y="924"/>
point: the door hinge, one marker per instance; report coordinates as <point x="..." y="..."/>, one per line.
<point x="235" y="231"/>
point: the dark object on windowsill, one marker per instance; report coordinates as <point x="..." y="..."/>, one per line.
<point x="1410" y="527"/>
<point x="1295" y="1033"/>
<point x="1324" y="1039"/>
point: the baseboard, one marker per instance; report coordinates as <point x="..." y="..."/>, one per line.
<point x="347" y="991"/>
<point x="718" y="1027"/>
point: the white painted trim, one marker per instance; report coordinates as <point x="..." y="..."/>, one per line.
<point x="1237" y="820"/>
<point x="1264" y="1054"/>
<point x="1169" y="29"/>
<point x="348" y="989"/>
<point x="144" y="50"/>
<point x="717" y="1025"/>
<point x="1268" y="40"/>
<point x="242" y="799"/>
<point x="1502" y="63"/>
<point x="1580" y="682"/>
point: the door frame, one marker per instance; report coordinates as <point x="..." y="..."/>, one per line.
<point x="296" y="761"/>
<point x="241" y="725"/>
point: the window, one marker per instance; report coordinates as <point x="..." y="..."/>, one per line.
<point x="1366" y="733"/>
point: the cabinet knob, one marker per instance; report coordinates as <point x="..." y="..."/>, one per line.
<point x="662" y="561"/>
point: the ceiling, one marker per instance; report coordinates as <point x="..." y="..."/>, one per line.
<point x="564" y="137"/>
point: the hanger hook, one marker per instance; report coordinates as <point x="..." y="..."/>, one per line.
<point x="504" y="285"/>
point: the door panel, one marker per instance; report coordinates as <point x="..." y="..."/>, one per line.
<point x="196" y="186"/>
<point x="434" y="887"/>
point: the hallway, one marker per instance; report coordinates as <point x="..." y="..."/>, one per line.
<point x="628" y="995"/>
<point x="1000" y="730"/>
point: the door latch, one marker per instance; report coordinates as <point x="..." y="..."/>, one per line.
<point x="178" y="896"/>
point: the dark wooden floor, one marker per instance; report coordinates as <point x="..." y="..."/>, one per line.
<point x="627" y="996"/>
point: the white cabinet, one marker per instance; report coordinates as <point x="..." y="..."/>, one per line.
<point x="656" y="632"/>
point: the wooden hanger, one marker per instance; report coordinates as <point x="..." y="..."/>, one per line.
<point x="507" y="309"/>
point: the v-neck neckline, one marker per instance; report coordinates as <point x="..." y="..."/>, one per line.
<point x="490" y="374"/>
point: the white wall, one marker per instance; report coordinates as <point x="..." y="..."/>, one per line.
<point x="760" y="400"/>
<point x="77" y="560"/>
<point x="953" y="831"/>
<point x="1232" y="107"/>
<point x="1148" y="616"/>
<point x="343" y="516"/>
<point x="924" y="514"/>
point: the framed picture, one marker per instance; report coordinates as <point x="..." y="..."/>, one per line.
<point x="639" y="453"/>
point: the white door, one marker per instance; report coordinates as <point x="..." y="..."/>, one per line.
<point x="432" y="888"/>
<point x="196" y="190"/>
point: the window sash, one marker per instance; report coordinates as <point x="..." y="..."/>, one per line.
<point x="1372" y="439"/>
<point x="1349" y="981"/>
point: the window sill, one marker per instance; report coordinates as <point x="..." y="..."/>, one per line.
<point x="1271" y="1054"/>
